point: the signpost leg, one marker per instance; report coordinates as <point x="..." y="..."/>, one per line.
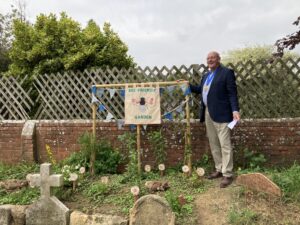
<point x="138" y="144"/>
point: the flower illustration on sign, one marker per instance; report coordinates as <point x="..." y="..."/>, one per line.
<point x="143" y="103"/>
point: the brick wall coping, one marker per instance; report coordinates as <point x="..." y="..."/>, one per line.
<point x="297" y="119"/>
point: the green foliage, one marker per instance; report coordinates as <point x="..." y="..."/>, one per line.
<point x="158" y="146"/>
<point x="242" y="217"/>
<point x="97" y="191"/>
<point x="107" y="159"/>
<point x="177" y="208"/>
<point x="289" y="181"/>
<point x="206" y="162"/>
<point x="249" y="159"/>
<point x="80" y="158"/>
<point x="54" y="45"/>
<point x="6" y="36"/>
<point x="124" y="200"/>
<point x="129" y="140"/>
<point x="18" y="171"/>
<point x="23" y="196"/>
<point x="173" y="201"/>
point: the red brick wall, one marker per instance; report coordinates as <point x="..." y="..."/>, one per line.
<point x="279" y="140"/>
<point x="10" y="141"/>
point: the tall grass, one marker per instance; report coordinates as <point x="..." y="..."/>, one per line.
<point x="289" y="181"/>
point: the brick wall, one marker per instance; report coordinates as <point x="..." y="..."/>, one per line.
<point x="279" y="140"/>
<point x="10" y="141"/>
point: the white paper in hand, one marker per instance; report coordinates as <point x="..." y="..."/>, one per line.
<point x="232" y="124"/>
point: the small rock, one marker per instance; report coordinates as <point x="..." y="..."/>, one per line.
<point x="79" y="218"/>
<point x="13" y="184"/>
<point x="157" y="186"/>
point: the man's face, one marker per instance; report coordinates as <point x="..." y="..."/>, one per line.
<point x="213" y="60"/>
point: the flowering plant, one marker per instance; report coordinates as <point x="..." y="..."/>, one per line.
<point x="72" y="173"/>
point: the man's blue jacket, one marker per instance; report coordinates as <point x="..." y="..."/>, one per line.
<point x="222" y="98"/>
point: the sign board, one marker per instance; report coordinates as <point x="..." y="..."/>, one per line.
<point x="142" y="105"/>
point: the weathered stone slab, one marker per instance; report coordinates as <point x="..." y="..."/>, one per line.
<point x="258" y="182"/>
<point x="5" y="215"/>
<point x="14" y="213"/>
<point x="79" y="218"/>
<point x="18" y="214"/>
<point x="47" y="211"/>
<point x="151" y="210"/>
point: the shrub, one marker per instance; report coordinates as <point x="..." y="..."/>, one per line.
<point x="107" y="158"/>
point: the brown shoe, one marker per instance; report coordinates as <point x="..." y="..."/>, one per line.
<point x="226" y="181"/>
<point x="215" y="175"/>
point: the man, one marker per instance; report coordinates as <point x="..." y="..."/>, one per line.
<point x="219" y="106"/>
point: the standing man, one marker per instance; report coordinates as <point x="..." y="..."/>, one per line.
<point x="219" y="106"/>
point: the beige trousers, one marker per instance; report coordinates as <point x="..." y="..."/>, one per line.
<point x="220" y="144"/>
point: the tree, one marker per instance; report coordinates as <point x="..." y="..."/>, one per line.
<point x="54" y="45"/>
<point x="288" y="42"/>
<point x="256" y="53"/>
<point x="6" y="36"/>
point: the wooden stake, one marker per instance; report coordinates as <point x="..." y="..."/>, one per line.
<point x="188" y="134"/>
<point x="93" y="154"/>
<point x="138" y="146"/>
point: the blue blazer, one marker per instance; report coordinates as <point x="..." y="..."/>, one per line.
<point x="222" y="97"/>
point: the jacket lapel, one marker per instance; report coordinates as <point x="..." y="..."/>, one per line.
<point x="218" y="73"/>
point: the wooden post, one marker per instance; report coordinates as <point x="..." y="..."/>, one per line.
<point x="93" y="154"/>
<point x="188" y="135"/>
<point x="94" y="119"/>
<point x="164" y="83"/>
<point x="138" y="145"/>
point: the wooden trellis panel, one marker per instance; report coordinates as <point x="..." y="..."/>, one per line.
<point x="269" y="90"/>
<point x="266" y="90"/>
<point x="15" y="103"/>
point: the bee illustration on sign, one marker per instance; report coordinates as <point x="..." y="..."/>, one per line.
<point x="143" y="103"/>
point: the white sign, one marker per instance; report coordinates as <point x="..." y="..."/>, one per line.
<point x="142" y="105"/>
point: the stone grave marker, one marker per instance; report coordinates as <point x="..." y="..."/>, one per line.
<point x="5" y="215"/>
<point x="151" y="210"/>
<point x="258" y="182"/>
<point x="48" y="209"/>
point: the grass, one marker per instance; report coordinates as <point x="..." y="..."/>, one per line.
<point x="242" y="217"/>
<point x="115" y="197"/>
<point x="288" y="180"/>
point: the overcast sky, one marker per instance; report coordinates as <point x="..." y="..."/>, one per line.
<point x="176" y="32"/>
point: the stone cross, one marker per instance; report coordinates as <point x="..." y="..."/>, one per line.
<point x="45" y="180"/>
<point x="48" y="210"/>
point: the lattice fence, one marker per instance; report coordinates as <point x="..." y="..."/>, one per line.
<point x="265" y="91"/>
<point x="15" y="103"/>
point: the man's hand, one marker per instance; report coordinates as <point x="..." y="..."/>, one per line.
<point x="236" y="116"/>
<point x="182" y="80"/>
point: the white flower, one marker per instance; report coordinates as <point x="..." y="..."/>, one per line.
<point x="73" y="177"/>
<point x="28" y="177"/>
<point x="200" y="171"/>
<point x="135" y="190"/>
<point x="185" y="169"/>
<point x="161" y="166"/>
<point x="147" y="168"/>
<point x="77" y="167"/>
<point x="104" y="180"/>
<point x="66" y="167"/>
<point x="82" y="170"/>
